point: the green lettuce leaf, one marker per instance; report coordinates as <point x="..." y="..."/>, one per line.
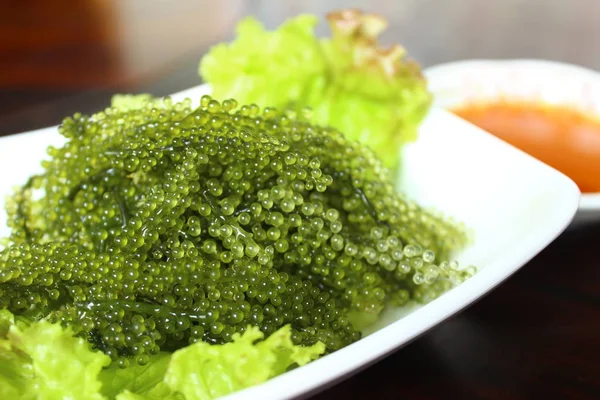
<point x="202" y="371"/>
<point x="139" y="381"/>
<point x="14" y="368"/>
<point x="44" y="361"/>
<point x="374" y="95"/>
<point x="254" y="69"/>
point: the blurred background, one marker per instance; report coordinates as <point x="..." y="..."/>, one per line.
<point x="59" y="56"/>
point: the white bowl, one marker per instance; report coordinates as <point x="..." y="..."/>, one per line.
<point x="515" y="205"/>
<point x="458" y="83"/>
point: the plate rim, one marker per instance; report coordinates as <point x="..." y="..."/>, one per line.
<point x="331" y="369"/>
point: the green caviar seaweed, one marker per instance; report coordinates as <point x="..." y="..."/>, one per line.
<point x="158" y="225"/>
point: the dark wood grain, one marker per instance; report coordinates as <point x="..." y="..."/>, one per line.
<point x="57" y="56"/>
<point x="535" y="336"/>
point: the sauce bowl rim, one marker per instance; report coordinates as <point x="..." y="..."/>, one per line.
<point x="589" y="201"/>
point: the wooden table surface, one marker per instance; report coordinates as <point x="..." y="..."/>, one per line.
<point x="535" y="336"/>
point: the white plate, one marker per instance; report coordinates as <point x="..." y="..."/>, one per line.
<point x="457" y="83"/>
<point x="515" y="205"/>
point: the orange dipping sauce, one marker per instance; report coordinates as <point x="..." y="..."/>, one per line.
<point x="562" y="137"/>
